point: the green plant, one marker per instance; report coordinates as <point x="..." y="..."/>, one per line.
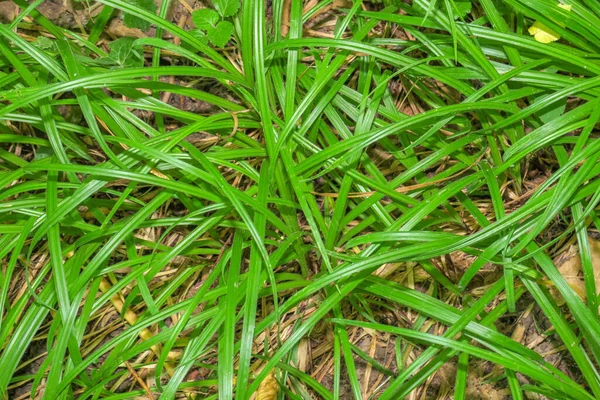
<point x="210" y="23"/>
<point x="401" y="175"/>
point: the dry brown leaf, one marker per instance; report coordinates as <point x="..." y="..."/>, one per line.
<point x="304" y="356"/>
<point x="519" y="331"/>
<point x="569" y="266"/>
<point x="285" y="18"/>
<point x="342" y="4"/>
<point x="268" y="388"/>
<point x="595" y="250"/>
<point x="118" y="29"/>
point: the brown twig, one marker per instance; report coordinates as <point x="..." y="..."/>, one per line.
<point x="139" y="380"/>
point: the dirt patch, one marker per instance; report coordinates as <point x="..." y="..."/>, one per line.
<point x="8" y="11"/>
<point x="63" y="13"/>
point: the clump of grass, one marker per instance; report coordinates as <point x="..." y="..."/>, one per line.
<point x="374" y="192"/>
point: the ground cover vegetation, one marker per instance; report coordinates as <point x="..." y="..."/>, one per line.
<point x="288" y="199"/>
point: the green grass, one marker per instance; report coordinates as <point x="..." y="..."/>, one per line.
<point x="344" y="165"/>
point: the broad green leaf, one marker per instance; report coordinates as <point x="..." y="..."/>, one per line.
<point x="200" y="35"/>
<point x="125" y="54"/>
<point x="220" y="35"/>
<point x="43" y="152"/>
<point x="205" y="18"/>
<point x="44" y="43"/>
<point x="553" y="111"/>
<point x="133" y="21"/>
<point x="463" y="7"/>
<point x="226" y="8"/>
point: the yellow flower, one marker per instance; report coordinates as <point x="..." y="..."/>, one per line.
<point x="542" y="33"/>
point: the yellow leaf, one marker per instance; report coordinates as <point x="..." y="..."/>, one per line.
<point x="268" y="388"/>
<point x="565" y="6"/>
<point x="542" y="33"/>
